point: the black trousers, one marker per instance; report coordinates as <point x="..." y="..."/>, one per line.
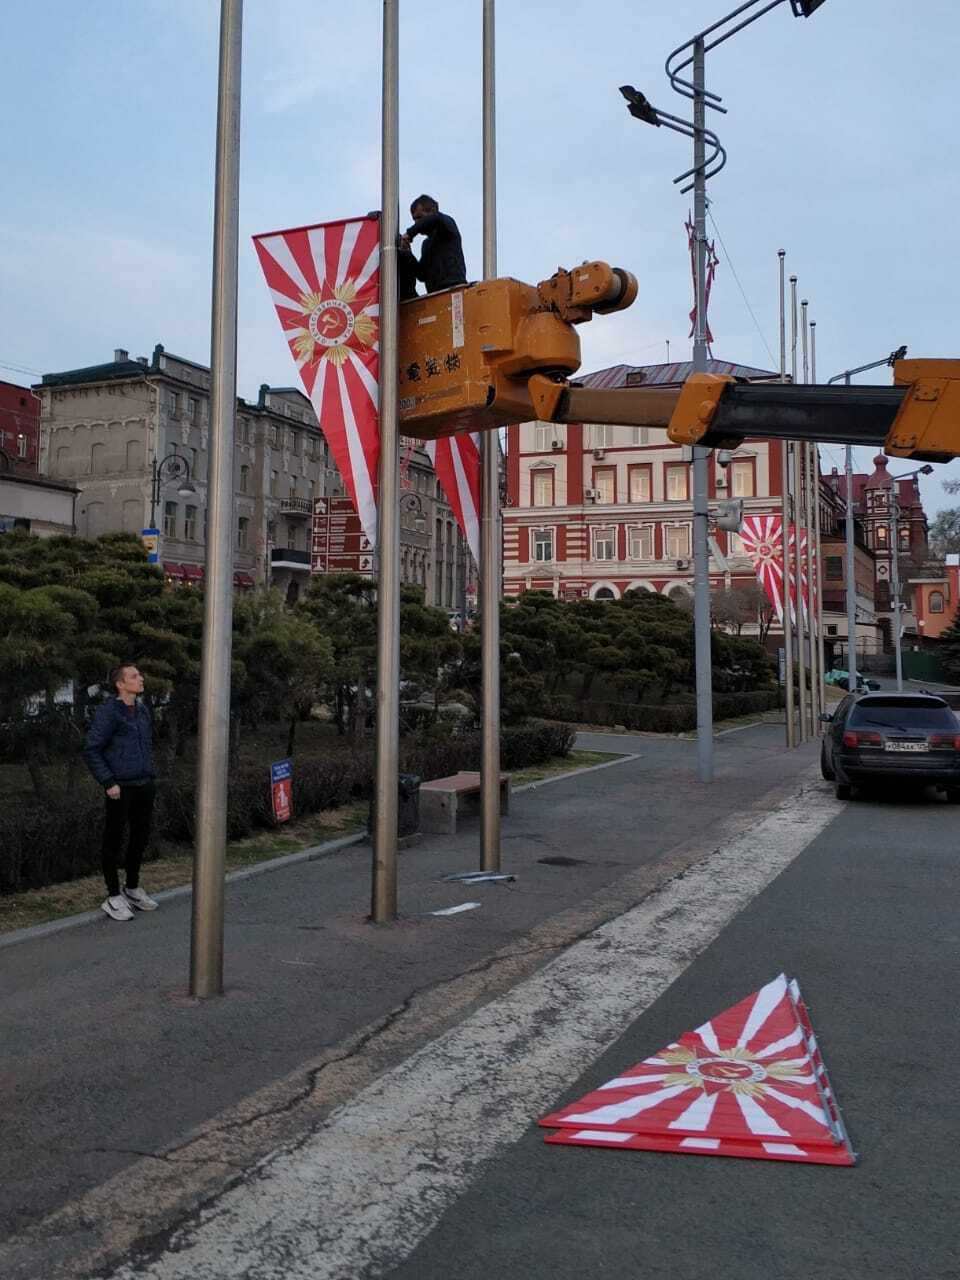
<point x="134" y="809"/>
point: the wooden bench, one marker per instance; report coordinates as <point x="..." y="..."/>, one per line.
<point x="444" y="800"/>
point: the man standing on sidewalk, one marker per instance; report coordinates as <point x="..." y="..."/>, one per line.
<point x="119" y="754"/>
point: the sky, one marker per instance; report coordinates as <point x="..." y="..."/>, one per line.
<point x="840" y="135"/>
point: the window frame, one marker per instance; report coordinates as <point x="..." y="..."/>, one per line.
<point x="640" y="531"/>
<point x="676" y="526"/>
<point x="543" y="472"/>
<point x="549" y="533"/>
<point x="606" y="470"/>
<point x="596" y="531"/>
<point x="676" y="468"/>
<point x="640" y="469"/>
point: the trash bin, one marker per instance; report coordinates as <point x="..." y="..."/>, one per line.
<point x="408" y="805"/>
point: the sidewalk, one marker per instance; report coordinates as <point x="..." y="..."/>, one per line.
<point x="114" y="1084"/>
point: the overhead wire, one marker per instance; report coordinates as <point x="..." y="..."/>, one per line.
<point x="733" y="271"/>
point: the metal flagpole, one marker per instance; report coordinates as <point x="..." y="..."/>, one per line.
<point x="810" y="499"/>
<point x="384" y="878"/>
<point x="490" y="533"/>
<point x="851" y="571"/>
<point x="785" y="532"/>
<point x="817" y="548"/>
<point x="893" y="499"/>
<point x="798" y="520"/>
<point x="206" y="937"/>
<point x="701" y="546"/>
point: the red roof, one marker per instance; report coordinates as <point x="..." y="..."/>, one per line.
<point x="666" y="375"/>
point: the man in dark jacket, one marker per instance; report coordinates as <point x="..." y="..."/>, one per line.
<point x="441" y="263"/>
<point x="119" y="754"/>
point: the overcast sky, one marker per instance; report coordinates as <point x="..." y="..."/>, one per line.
<point x="841" y="137"/>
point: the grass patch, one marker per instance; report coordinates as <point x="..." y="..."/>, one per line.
<point x="175" y="866"/>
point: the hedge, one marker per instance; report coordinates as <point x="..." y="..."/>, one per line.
<point x="46" y="844"/>
<point x="677" y="717"/>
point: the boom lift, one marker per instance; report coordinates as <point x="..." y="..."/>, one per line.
<point x="481" y="356"/>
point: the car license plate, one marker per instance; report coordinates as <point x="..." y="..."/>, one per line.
<point x="904" y="746"/>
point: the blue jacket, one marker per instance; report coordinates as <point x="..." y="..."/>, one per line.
<point x="119" y="745"/>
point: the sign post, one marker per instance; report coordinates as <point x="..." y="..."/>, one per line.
<point x="151" y="542"/>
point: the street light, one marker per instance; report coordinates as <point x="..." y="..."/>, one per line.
<point x="851" y="584"/>
<point x="173" y="467"/>
<point x="895" y="567"/>
<point x="704" y="167"/>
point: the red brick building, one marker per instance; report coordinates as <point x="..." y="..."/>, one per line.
<point x="595" y="510"/>
<point x="19" y="426"/>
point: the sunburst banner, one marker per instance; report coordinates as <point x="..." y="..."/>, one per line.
<point x="762" y="538"/>
<point x="325" y="284"/>
<point x="456" y="460"/>
<point x="751" y="1082"/>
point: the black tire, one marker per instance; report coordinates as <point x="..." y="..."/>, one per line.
<point x="843" y="791"/>
<point x="826" y="771"/>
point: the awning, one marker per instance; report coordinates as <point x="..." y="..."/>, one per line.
<point x="193" y="571"/>
<point x="172" y="570"/>
<point x="243" y="580"/>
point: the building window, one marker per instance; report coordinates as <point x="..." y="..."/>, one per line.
<point x="293" y="486"/>
<point x="293" y="538"/>
<point x="676" y="483"/>
<point x="936" y="602"/>
<point x="742" y="478"/>
<point x="274" y="484"/>
<point x="193" y="412"/>
<point x="190" y="524"/>
<point x="545" y="436"/>
<point x="600" y="436"/>
<point x="276" y="435"/>
<point x="834" y="567"/>
<point x="641" y="435"/>
<point x="295" y="442"/>
<point x="882" y="535"/>
<point x="170" y="519"/>
<point x="641" y="542"/>
<point x="171" y="401"/>
<point x="243" y="532"/>
<point x="542" y="489"/>
<point x="244" y="479"/>
<point x="735" y="545"/>
<point x="904" y="535"/>
<point x="543" y="544"/>
<point x="604" y="543"/>
<point x="676" y="541"/>
<point x="271" y="531"/>
<point x="605" y="484"/>
<point x="639" y="481"/>
<point x="21" y="445"/>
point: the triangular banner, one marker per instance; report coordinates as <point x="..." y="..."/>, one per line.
<point x="750" y="1082"/>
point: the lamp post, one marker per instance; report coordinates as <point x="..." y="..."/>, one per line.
<point x="692" y="53"/>
<point x="173" y="467"/>
<point x="851" y="584"/>
<point x="894" y="514"/>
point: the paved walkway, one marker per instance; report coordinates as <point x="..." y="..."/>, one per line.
<point x="125" y="1103"/>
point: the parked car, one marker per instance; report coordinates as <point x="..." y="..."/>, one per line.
<point x="892" y="737"/>
<point x="841" y="678"/>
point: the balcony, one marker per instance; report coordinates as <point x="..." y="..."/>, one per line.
<point x="287" y="558"/>
<point x="296" y="507"/>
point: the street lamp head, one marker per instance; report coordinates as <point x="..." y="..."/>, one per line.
<point x="926" y="471"/>
<point x="638" y="106"/>
<point x="804" y="8"/>
<point x="186" y="489"/>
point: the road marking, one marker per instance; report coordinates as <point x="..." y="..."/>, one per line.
<point x="360" y="1193"/>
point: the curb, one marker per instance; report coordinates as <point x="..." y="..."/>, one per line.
<point x="183" y="890"/>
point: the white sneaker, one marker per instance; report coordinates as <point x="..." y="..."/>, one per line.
<point x="116" y="908"/>
<point x="139" y="899"/>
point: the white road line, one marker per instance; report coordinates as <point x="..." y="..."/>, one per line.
<point x="360" y="1193"/>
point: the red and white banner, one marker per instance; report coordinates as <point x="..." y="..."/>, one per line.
<point x="456" y="460"/>
<point x="762" y="538"/>
<point x="325" y="284"/>
<point x="750" y="1082"/>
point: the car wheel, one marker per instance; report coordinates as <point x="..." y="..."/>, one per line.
<point x="843" y="791"/>
<point x="825" y="769"/>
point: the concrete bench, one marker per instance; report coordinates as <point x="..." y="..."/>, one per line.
<point x="444" y="800"/>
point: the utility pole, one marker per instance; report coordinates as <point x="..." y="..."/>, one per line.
<point x="384" y="879"/>
<point x="798" y="487"/>
<point x="206" y="935"/>
<point x="701" y="546"/>
<point x="895" y="582"/>
<point x="490" y="525"/>
<point x="817" y="547"/>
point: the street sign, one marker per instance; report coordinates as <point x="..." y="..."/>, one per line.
<point x="281" y="786"/>
<point x="339" y="543"/>
<point x="151" y="541"/>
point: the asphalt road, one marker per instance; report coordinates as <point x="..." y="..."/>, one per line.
<point x="127" y="1110"/>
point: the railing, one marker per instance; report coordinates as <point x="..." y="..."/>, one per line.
<point x="296" y="507"/>
<point x="286" y="555"/>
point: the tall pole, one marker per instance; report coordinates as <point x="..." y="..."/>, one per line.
<point x="811" y="502"/>
<point x="206" y="937"/>
<point x="895" y="583"/>
<point x="490" y="532"/>
<point x="785" y="521"/>
<point x="817" y="548"/>
<point x="798" y="520"/>
<point x="384" y="877"/>
<point x="701" y="547"/>
<point x="851" y="571"/>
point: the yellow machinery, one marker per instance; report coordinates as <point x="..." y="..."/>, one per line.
<point x="481" y="356"/>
